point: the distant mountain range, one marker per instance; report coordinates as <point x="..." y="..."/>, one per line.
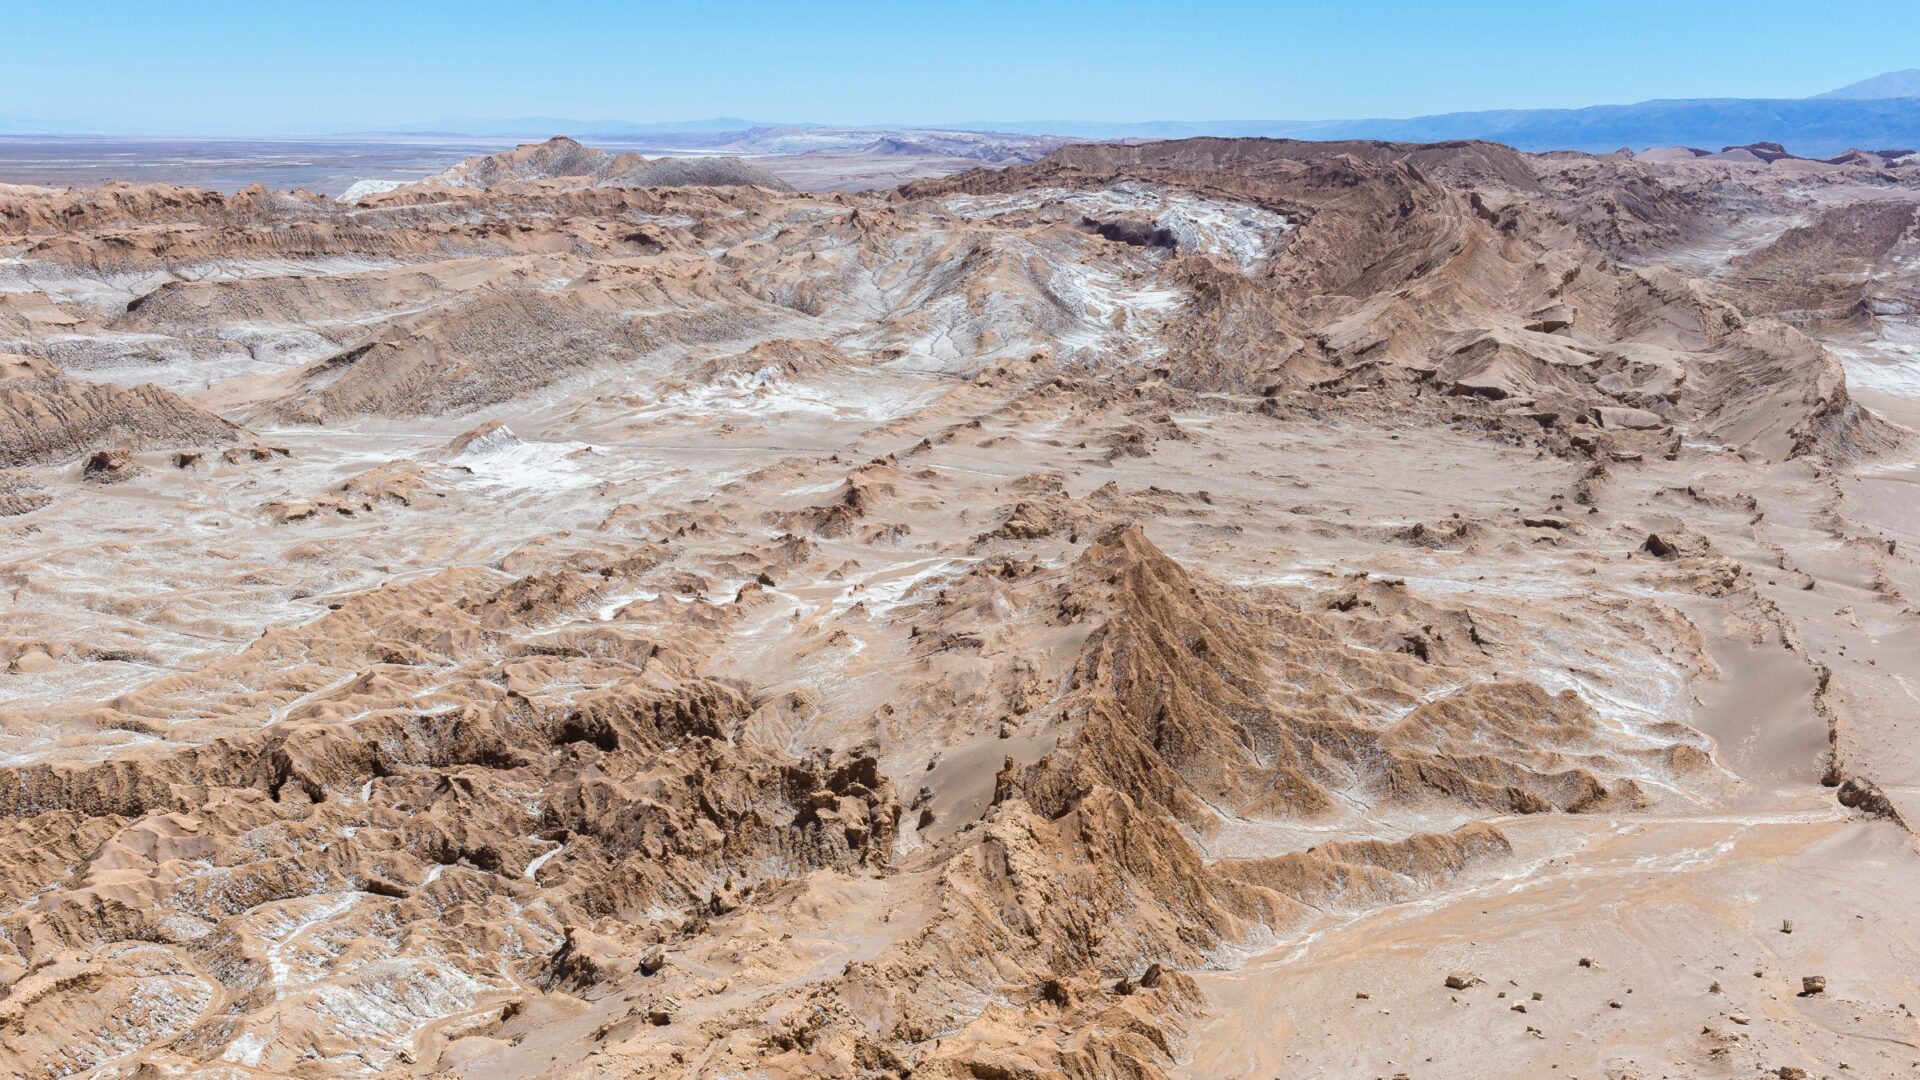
<point x="1812" y="126"/>
<point x="1894" y="84"/>
<point x="1879" y="113"/>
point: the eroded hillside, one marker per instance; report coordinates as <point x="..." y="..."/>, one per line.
<point x="1216" y="608"/>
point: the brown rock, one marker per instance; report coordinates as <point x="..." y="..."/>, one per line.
<point x="110" y="467"/>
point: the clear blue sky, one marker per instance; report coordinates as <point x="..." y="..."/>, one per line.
<point x="264" y="66"/>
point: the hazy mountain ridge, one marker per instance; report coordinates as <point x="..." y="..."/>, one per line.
<point x="1893" y="84"/>
<point x="1881" y="112"/>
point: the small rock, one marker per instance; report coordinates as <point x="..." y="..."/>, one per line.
<point x="1614" y="418"/>
<point x="1538" y="996"/>
<point x="1460" y="980"/>
<point x="1055" y="992"/>
<point x="1586" y="961"/>
<point x="1865" y="796"/>
<point x="1812" y="984"/>
<point x="1741" y="1018"/>
<point x="1612" y="1004"/>
<point x="1518" y="1007"/>
<point x="110" y="467"/>
<point x="1786" y="926"/>
<point x="1715" y="988"/>
<point x="1550" y="319"/>
<point x="239" y="455"/>
<point x="1791" y="1072"/>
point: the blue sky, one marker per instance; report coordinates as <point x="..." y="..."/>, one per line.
<point x="261" y="67"/>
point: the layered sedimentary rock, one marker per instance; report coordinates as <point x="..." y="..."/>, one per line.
<point x="1227" y="607"/>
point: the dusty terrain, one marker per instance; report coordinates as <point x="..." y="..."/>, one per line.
<point x="811" y="159"/>
<point x="1214" y="608"/>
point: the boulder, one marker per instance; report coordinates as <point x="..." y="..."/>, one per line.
<point x="110" y="467"/>
<point x="1620" y="417"/>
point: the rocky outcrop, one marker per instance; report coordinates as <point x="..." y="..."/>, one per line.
<point x="565" y="160"/>
<point x="46" y="418"/>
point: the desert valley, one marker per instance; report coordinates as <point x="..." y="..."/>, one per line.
<point x="1192" y="608"/>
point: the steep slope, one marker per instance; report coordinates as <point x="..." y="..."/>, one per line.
<point x="46" y="418"/>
